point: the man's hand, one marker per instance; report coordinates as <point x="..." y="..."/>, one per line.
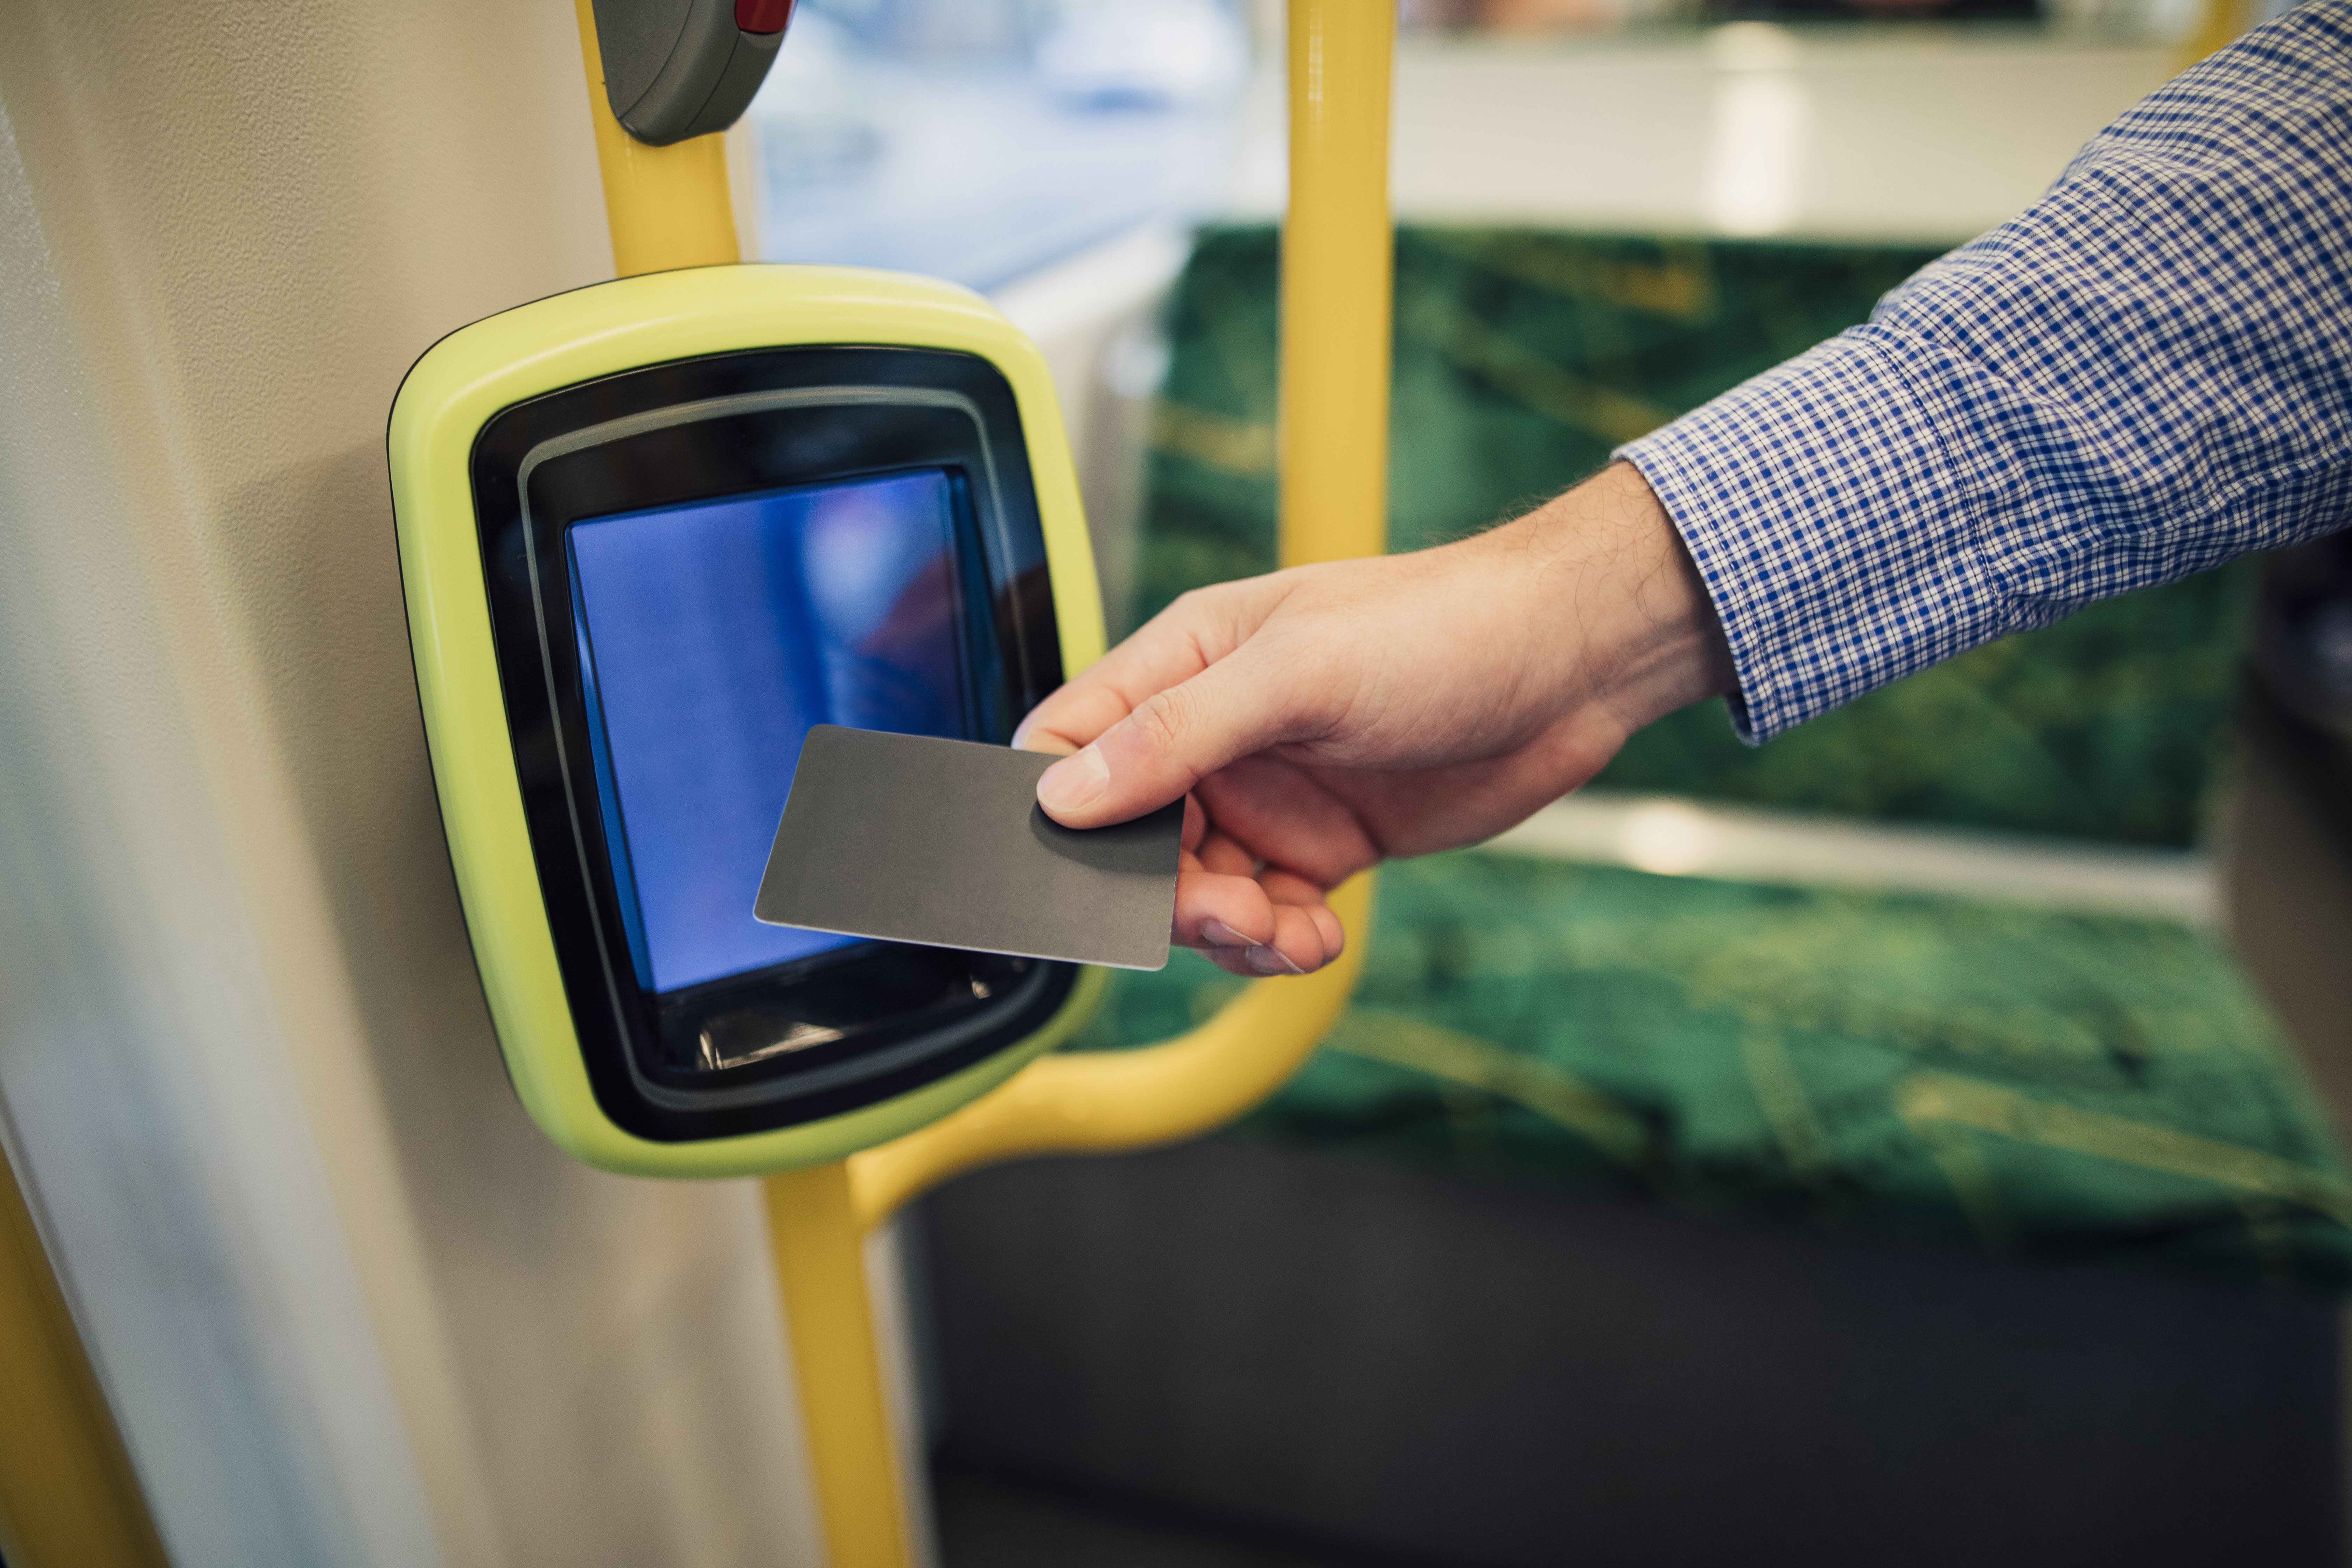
<point x="1328" y="716"/>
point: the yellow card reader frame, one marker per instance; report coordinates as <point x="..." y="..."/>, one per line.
<point x="573" y="341"/>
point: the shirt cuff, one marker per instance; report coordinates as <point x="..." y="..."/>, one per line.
<point x="1830" y="523"/>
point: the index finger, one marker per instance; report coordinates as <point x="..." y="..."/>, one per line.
<point x="1169" y="649"/>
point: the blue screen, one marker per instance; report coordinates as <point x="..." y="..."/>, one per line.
<point x="713" y="635"/>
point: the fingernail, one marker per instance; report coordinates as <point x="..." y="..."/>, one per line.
<point x="1220" y="934"/>
<point x="1267" y="959"/>
<point x="1075" y="783"/>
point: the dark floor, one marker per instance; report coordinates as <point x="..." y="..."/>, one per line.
<point x="986" y="1522"/>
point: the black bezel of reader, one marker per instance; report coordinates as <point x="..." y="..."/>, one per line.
<point x="898" y="1016"/>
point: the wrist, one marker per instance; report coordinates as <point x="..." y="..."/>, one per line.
<point x="1613" y="570"/>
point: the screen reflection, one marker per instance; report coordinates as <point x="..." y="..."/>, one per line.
<point x="712" y="637"/>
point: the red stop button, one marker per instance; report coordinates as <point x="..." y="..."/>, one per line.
<point x="762" y="15"/>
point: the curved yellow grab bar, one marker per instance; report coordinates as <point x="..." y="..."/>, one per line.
<point x="1079" y="1101"/>
<point x="668" y="207"/>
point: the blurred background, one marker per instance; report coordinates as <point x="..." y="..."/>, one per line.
<point x="1821" y="1151"/>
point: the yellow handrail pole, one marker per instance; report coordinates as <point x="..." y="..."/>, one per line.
<point x="2220" y="23"/>
<point x="670" y="207"/>
<point x="829" y="1322"/>
<point x="667" y="207"/>
<point x="818" y="1239"/>
<point x="1338" y="261"/>
<point x="68" y="1496"/>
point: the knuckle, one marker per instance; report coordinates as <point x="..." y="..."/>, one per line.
<point x="1164" y="719"/>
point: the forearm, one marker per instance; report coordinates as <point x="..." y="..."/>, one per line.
<point x="2143" y="375"/>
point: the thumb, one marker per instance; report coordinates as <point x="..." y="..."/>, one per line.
<point x="1169" y="744"/>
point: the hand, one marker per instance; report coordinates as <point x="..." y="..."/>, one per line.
<point x="1328" y="716"/>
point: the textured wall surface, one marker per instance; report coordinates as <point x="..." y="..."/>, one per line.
<point x="349" y="1305"/>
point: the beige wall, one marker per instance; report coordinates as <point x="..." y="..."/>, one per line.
<point x="349" y="1305"/>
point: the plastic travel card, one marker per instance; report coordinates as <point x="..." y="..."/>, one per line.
<point x="910" y="838"/>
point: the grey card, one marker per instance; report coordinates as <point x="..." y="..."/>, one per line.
<point x="910" y="838"/>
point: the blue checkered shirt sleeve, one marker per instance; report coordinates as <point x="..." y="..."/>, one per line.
<point x="2146" y="374"/>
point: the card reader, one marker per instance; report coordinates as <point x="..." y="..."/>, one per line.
<point x="651" y="532"/>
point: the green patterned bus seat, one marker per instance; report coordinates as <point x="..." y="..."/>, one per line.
<point x="2034" y="1083"/>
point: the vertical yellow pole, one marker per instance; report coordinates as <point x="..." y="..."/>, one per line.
<point x="829" y="1320"/>
<point x="668" y="207"/>
<point x="1339" y="255"/>
<point x="2220" y="23"/>
<point x="68" y="1496"/>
